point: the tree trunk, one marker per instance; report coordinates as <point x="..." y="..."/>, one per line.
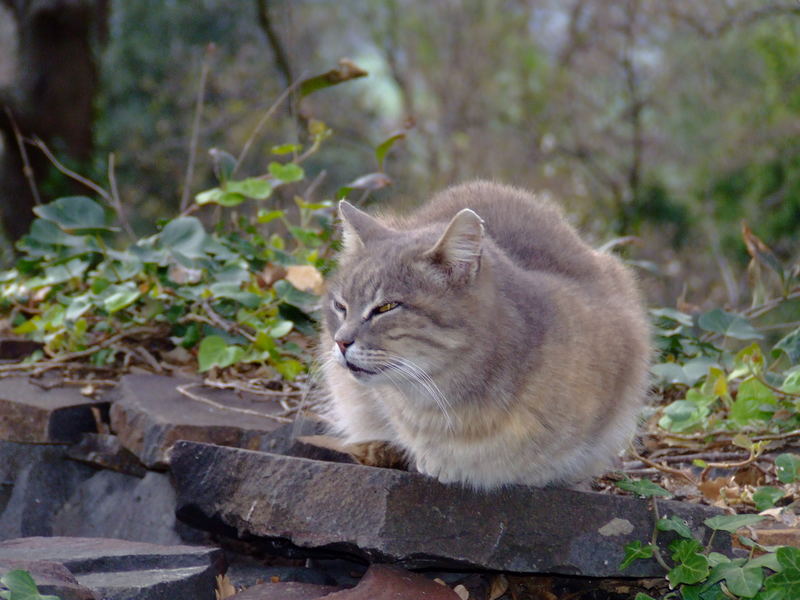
<point x="52" y="98"/>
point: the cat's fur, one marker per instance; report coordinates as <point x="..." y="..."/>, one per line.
<point x="516" y="353"/>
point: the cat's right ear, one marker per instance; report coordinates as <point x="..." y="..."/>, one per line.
<point x="358" y="227"/>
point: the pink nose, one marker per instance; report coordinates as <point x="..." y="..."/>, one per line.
<point x="343" y="346"/>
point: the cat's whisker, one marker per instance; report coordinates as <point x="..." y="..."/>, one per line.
<point x="416" y="374"/>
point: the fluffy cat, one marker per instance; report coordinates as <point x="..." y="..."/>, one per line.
<point x="485" y="339"/>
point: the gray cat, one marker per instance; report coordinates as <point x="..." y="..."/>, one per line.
<point x="485" y="339"/>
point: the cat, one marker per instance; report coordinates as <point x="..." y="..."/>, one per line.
<point x="482" y="337"/>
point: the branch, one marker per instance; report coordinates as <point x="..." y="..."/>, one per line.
<point x="747" y="17"/>
<point x="198" y="113"/>
<point x="280" y="55"/>
<point x="27" y="170"/>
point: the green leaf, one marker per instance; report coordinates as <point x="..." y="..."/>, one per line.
<point x="728" y="324"/>
<point x="731" y="523"/>
<point x="122" y="298"/>
<point x="21" y="586"/>
<point x="787" y="467"/>
<point x="258" y="189"/>
<point x="216" y="352"/>
<point x="674" y="315"/>
<point x="281" y="329"/>
<point x="233" y="291"/>
<point x="186" y="236"/>
<point x="286" y="148"/>
<point x="675" y="524"/>
<point x="289" y="368"/>
<point x="683" y="415"/>
<point x="692" y="564"/>
<point x="769" y="560"/>
<point x="766" y="496"/>
<point x="748" y="361"/>
<point x="635" y="551"/>
<point x="754" y="402"/>
<point x="265" y="216"/>
<point x="784" y="585"/>
<point x="789" y="557"/>
<point x="790" y="345"/>
<point x="288" y="173"/>
<point x="792" y="382"/>
<point x="642" y="487"/>
<point x="223" y="197"/>
<point x="75" y="214"/>
<point x="224" y="163"/>
<point x="345" y="72"/>
<point x="743" y="580"/>
<point x="384" y="147"/>
<point x="291" y="295"/>
<point x="643" y="596"/>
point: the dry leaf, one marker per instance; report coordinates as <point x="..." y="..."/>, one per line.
<point x="305" y="278"/>
<point x="499" y="587"/>
<point x="88" y="390"/>
<point x="225" y="588"/>
<point x="272" y="273"/>
<point x="711" y="488"/>
<point x="462" y="592"/>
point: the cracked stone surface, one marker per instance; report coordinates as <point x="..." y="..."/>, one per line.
<point x="122" y="570"/>
<point x="32" y="414"/>
<point x="149" y="414"/>
<point x="385" y="515"/>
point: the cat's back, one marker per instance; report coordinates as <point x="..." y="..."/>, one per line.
<point x="531" y="230"/>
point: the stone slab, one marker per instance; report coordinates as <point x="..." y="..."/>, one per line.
<point x="385" y="515"/>
<point x="123" y="570"/>
<point x="32" y="414"/>
<point x="50" y="578"/>
<point x="37" y="480"/>
<point x="115" y="505"/>
<point x="149" y="415"/>
<point x="105" y="451"/>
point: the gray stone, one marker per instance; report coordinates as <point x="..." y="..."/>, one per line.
<point x="105" y="451"/>
<point x="286" y="591"/>
<point x="282" y="439"/>
<point x="38" y="480"/>
<point x="385" y="515"/>
<point x="114" y="505"/>
<point x="123" y="570"/>
<point x="29" y="413"/>
<point x="50" y="578"/>
<point x="149" y="415"/>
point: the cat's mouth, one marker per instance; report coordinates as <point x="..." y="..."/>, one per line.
<point x="359" y="370"/>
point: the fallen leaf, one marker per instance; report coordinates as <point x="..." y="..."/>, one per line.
<point x="499" y="587"/>
<point x="225" y="588"/>
<point x="462" y="592"/>
<point x="305" y="278"/>
<point x="272" y="273"/>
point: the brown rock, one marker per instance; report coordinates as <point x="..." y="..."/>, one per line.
<point x="289" y="590"/>
<point x="31" y="414"/>
<point x="149" y="414"/>
<point x="50" y="578"/>
<point x="382" y="582"/>
<point x="778" y="537"/>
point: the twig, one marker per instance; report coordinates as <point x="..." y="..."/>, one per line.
<point x="235" y="385"/>
<point x="115" y="199"/>
<point x="761" y="379"/>
<point x="198" y="113"/>
<point x="222" y="323"/>
<point x="69" y="172"/>
<point x="654" y="538"/>
<point x="663" y="468"/>
<point x="184" y="389"/>
<point x="27" y="170"/>
<point x="262" y="122"/>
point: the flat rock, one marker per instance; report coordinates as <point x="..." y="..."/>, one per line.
<point x="50" y="578"/>
<point x="115" y="505"/>
<point x="289" y="590"/>
<point x="105" y="451"/>
<point x="386" y="515"/>
<point x="149" y="414"/>
<point x="29" y="413"/>
<point x="122" y="570"/>
<point x="383" y="582"/>
<point x="37" y="480"/>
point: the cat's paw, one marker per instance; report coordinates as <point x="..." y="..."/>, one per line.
<point x="433" y="468"/>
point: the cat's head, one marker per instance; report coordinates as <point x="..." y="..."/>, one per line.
<point x="401" y="307"/>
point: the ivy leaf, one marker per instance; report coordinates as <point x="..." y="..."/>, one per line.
<point x="731" y="523"/>
<point x="754" y="402"/>
<point x="675" y="524"/>
<point x="784" y="585"/>
<point x="186" y="236"/>
<point x="683" y="415"/>
<point x="22" y="586"/>
<point x="790" y="344"/>
<point x="742" y="580"/>
<point x="635" y="551"/>
<point x="258" y="189"/>
<point x="75" y="214"/>
<point x="642" y="487"/>
<point x="787" y="467"/>
<point x="216" y="352"/>
<point x="287" y="173"/>
<point x="281" y="329"/>
<point x="728" y="324"/>
<point x="766" y="496"/>
<point x="692" y="564"/>
<point x="120" y="299"/>
<point x="220" y="196"/>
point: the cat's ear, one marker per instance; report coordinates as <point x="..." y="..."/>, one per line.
<point x="458" y="251"/>
<point x="358" y="227"/>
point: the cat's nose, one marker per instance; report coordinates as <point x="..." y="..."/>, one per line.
<point x="344" y="345"/>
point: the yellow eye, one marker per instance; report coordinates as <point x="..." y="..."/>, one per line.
<point x="387" y="307"/>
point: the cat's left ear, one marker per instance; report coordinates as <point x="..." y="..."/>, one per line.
<point x="459" y="249"/>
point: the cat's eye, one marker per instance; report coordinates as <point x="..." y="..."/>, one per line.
<point x="339" y="306"/>
<point x="386" y="307"/>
